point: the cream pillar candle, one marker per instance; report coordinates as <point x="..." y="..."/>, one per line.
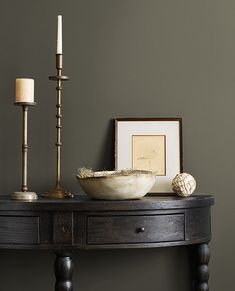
<point x="59" y="35"/>
<point x="24" y="90"/>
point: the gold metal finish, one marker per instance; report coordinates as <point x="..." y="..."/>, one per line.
<point x="24" y="194"/>
<point x="25" y="149"/>
<point x="58" y="193"/>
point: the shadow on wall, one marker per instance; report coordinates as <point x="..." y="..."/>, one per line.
<point x="106" y="159"/>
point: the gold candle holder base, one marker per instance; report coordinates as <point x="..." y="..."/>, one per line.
<point x="57" y="194"/>
<point x="28" y="196"/>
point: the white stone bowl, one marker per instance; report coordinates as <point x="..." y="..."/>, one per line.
<point x="110" y="185"/>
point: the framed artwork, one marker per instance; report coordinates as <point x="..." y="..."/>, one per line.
<point x="153" y="144"/>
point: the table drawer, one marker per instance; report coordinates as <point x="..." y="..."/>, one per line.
<point x="135" y="229"/>
<point x="19" y="230"/>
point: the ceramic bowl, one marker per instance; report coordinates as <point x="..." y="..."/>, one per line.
<point x="111" y="185"/>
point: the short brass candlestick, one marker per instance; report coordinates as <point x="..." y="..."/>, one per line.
<point x="24" y="194"/>
<point x="58" y="192"/>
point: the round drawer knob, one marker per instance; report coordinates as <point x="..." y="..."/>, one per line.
<point x="140" y="229"/>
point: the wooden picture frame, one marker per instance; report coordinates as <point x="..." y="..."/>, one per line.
<point x="154" y="144"/>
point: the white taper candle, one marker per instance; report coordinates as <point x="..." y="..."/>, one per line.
<point x="59" y="35"/>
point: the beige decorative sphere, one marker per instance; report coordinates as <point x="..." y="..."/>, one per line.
<point x="184" y="184"/>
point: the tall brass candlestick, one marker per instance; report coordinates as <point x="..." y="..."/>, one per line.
<point x="58" y="192"/>
<point x="24" y="194"/>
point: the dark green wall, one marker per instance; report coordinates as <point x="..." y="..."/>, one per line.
<point x="149" y="58"/>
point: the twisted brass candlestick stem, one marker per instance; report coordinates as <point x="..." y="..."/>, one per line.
<point x="24" y="194"/>
<point x="58" y="193"/>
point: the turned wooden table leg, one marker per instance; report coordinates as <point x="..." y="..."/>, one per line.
<point x="63" y="272"/>
<point x="202" y="270"/>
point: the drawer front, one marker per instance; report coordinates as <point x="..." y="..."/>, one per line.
<point x="19" y="230"/>
<point x="135" y="229"/>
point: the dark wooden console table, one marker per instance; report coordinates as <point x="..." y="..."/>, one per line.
<point x="80" y="223"/>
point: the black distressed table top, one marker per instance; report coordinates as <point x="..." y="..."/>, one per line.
<point x="83" y="203"/>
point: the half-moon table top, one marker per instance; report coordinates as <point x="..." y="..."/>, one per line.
<point x="84" y="203"/>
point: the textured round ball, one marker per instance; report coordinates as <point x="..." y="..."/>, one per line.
<point x="184" y="184"/>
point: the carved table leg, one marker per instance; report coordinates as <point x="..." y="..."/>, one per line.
<point x="203" y="258"/>
<point x="63" y="272"/>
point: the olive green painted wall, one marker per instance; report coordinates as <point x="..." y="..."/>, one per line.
<point x="149" y="58"/>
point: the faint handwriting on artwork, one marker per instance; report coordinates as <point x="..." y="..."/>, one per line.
<point x="148" y="153"/>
